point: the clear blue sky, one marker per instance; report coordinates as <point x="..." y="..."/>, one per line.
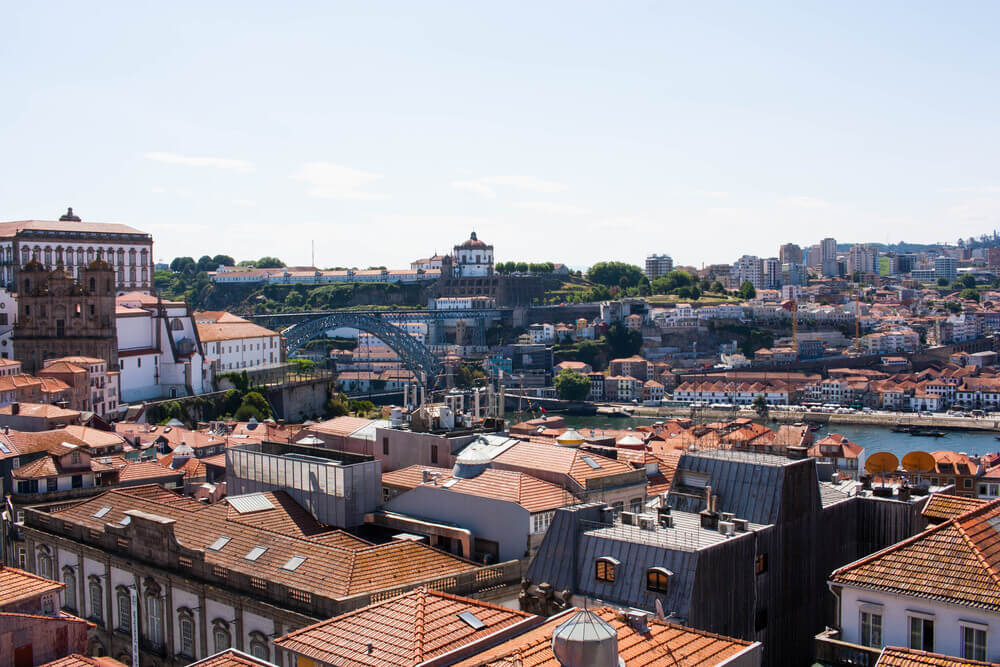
<point x="565" y="131"/>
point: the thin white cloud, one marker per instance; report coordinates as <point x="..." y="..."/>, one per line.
<point x="245" y="202"/>
<point x="551" y="208"/>
<point x="157" y="189"/>
<point x="333" y="181"/>
<point x="974" y="189"/>
<point x="486" y="186"/>
<point x="801" y="201"/>
<point x="200" y="161"/>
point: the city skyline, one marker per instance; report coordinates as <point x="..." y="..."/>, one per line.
<point x="573" y="137"/>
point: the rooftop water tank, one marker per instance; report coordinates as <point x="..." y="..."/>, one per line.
<point x="586" y="640"/>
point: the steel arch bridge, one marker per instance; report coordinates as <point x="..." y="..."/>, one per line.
<point x="416" y="356"/>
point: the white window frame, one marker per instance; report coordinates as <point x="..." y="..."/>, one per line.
<point x="872" y="610"/>
<point x="912" y="616"/>
<point x="975" y="626"/>
<point x="541" y="521"/>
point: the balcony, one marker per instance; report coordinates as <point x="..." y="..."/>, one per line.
<point x="832" y="651"/>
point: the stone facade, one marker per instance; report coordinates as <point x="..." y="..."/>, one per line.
<point x="61" y="317"/>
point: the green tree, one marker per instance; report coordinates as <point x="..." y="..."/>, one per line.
<point x="181" y="263"/>
<point x="270" y="263"/>
<point x="223" y="260"/>
<point x="571" y="386"/>
<point x="967" y="281"/>
<point x="205" y="263"/>
<point x="337" y="406"/>
<point x="942" y="282"/>
<point x="623" y="341"/>
<point x="717" y="288"/>
<point x="953" y="307"/>
<point x="969" y="294"/>
<point x="747" y="290"/>
<point x="611" y="273"/>
<point x="254" y="405"/>
<point x="760" y="405"/>
<point x="294" y="300"/>
<point x="670" y="283"/>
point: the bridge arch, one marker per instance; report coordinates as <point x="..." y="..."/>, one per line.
<point x="416" y="356"/>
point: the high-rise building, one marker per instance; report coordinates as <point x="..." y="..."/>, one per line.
<point x="828" y="256"/>
<point x="814" y="257"/>
<point x="771" y="270"/>
<point x="862" y="259"/>
<point x="905" y="262"/>
<point x="993" y="258"/>
<point x="946" y="267"/>
<point x="790" y="253"/>
<point x="748" y="268"/>
<point x="658" y="265"/>
<point x="793" y="274"/>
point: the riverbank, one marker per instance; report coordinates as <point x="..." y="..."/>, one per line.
<point x="831" y="419"/>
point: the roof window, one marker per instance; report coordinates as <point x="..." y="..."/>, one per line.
<point x="472" y="620"/>
<point x="219" y="543"/>
<point x="592" y="463"/>
<point x="101" y="512"/>
<point x="255" y="553"/>
<point x="293" y="563"/>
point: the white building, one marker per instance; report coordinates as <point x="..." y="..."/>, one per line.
<point x="472" y="258"/>
<point x="748" y="268"/>
<point x="159" y="352"/>
<point x="658" y="265"/>
<point x="72" y="243"/>
<point x="235" y="343"/>
<point x="311" y="276"/>
<point x="427" y="263"/>
<point x="936" y="592"/>
<point x="8" y="317"/>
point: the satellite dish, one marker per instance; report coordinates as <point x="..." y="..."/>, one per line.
<point x="919" y="462"/>
<point x="659" y="610"/>
<point x="881" y="463"/>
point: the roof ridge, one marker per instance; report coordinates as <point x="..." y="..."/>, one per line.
<point x="891" y="548"/>
<point x="418" y="625"/>
<point x="972" y="544"/>
<point x="346" y="614"/>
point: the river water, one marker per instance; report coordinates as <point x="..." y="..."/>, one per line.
<point x="872" y="438"/>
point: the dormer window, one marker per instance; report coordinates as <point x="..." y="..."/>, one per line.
<point x="605" y="569"/>
<point x="658" y="579"/>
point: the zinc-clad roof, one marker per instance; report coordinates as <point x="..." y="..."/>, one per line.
<point x="663" y="644"/>
<point x="18" y="585"/>
<point x="403" y="630"/>
<point x="328" y="571"/>
<point x="957" y="561"/>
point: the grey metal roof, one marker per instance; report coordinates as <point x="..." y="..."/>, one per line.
<point x="250" y="502"/>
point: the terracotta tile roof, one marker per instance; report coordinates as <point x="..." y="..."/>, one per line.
<point x="663" y="644"/>
<point x="528" y="456"/>
<point x="53" y="385"/>
<point x="957" y="561"/>
<point x="942" y="506"/>
<point x="144" y="300"/>
<point x="146" y="470"/>
<point x="63" y="366"/>
<point x="14" y="382"/>
<point x="836" y="446"/>
<point x="404" y="630"/>
<point x="329" y="571"/>
<point x="342" y="426"/>
<point x="896" y="656"/>
<point x="231" y="658"/>
<point x="225" y="330"/>
<point x="191" y="467"/>
<point x="18" y="585"/>
<point x="531" y="493"/>
<point x="40" y="410"/>
<point x="77" y="660"/>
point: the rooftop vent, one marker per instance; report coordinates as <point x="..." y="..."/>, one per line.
<point x="742" y="525"/>
<point x="666" y="521"/>
<point x="639" y="621"/>
<point x="586" y="640"/>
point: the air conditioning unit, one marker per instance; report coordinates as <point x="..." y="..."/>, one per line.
<point x="628" y="518"/>
<point x="647" y="522"/>
<point x="727" y="516"/>
<point x="727" y="528"/>
<point x="742" y="525"/>
<point x="666" y="521"/>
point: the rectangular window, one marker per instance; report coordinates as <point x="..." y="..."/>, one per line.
<point x="871" y="629"/>
<point x="434" y="453"/>
<point x="385" y="446"/>
<point x="760" y="564"/>
<point x="605" y="570"/>
<point x="973" y="643"/>
<point x="921" y="633"/>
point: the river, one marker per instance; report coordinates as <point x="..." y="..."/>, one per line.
<point x="872" y="438"/>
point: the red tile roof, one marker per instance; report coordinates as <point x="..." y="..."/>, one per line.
<point x="231" y="658"/>
<point x="531" y="493"/>
<point x="528" y="456"/>
<point x="896" y="656"/>
<point x="970" y="546"/>
<point x="77" y="660"/>
<point x="404" y="630"/>
<point x="18" y="585"/>
<point x="942" y="506"/>
<point x="342" y="426"/>
<point x="663" y="644"/>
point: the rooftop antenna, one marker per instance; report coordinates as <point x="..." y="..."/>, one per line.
<point x="313" y="253"/>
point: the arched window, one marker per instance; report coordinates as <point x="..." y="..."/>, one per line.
<point x="69" y="593"/>
<point x="154" y="616"/>
<point x="658" y="579"/>
<point x="221" y="637"/>
<point x="124" y="601"/>
<point x="131" y="273"/>
<point x="69" y="257"/>
<point x="96" y="599"/>
<point x="185" y="621"/>
<point x="36" y="253"/>
<point x="90" y="255"/>
<point x="176" y="324"/>
<point x="605" y="569"/>
<point x="25" y="255"/>
<point x="79" y="255"/>
<point x="44" y="562"/>
<point x="48" y="255"/>
<point x="258" y="646"/>
<point x="93" y="285"/>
